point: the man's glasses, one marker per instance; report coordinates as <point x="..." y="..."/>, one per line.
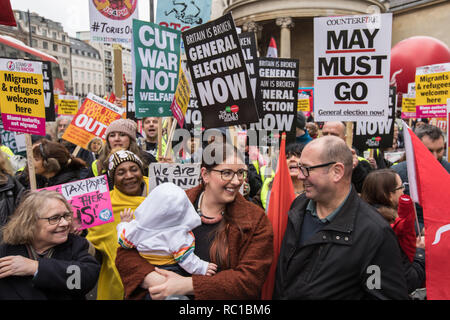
<point x="228" y="175"/>
<point x="305" y="170"/>
<point x="57" y="218"/>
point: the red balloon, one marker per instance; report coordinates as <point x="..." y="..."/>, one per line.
<point x="415" y="52"/>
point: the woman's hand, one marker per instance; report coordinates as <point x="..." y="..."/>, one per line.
<point x="152" y="279"/>
<point x="126" y="215"/>
<point x="17" y="266"/>
<point x="174" y="285"/>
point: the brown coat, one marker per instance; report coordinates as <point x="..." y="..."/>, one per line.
<point x="251" y="255"/>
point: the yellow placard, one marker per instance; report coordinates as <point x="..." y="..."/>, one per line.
<point x="303" y="105"/>
<point x="408" y="104"/>
<point x="67" y="105"/>
<point x="432" y="89"/>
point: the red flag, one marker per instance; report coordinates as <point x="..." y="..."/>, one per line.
<point x="112" y="97"/>
<point x="272" y="51"/>
<point x="6" y="14"/>
<point x="281" y="197"/>
<point x="404" y="226"/>
<point x="433" y="189"/>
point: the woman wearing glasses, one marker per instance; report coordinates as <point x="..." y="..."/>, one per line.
<point x="40" y="259"/>
<point x="383" y="189"/>
<point x="235" y="234"/>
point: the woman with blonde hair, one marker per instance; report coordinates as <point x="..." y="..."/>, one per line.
<point x="40" y="256"/>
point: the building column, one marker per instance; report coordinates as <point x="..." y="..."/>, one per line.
<point x="286" y="24"/>
<point x="256" y="28"/>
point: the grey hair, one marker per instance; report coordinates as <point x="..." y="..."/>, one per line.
<point x="335" y="149"/>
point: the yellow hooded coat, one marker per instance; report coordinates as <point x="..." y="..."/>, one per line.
<point x="104" y="239"/>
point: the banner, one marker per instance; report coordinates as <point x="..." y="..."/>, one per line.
<point x="13" y="140"/>
<point x="67" y="105"/>
<point x="377" y="133"/>
<point x="432" y="90"/>
<point x="352" y="67"/>
<point x="111" y="21"/>
<point x="185" y="176"/>
<point x="182" y="15"/>
<point x="91" y="121"/>
<point x="277" y="91"/>
<point x="89" y="199"/>
<point x="22" y="96"/>
<point x="156" y="59"/>
<point x="305" y="100"/>
<point x="181" y="100"/>
<point x="219" y="74"/>
<point x="408" y="106"/>
<point x="131" y="112"/>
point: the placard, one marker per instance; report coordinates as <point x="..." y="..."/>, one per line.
<point x="22" y="96"/>
<point x="67" y="105"/>
<point x="92" y="119"/>
<point x="277" y="90"/>
<point x="131" y="112"/>
<point x="432" y="90"/>
<point x="185" y="175"/>
<point x="111" y="21"/>
<point x="379" y="133"/>
<point x="306" y="100"/>
<point x="219" y="74"/>
<point x="250" y="52"/>
<point x="181" y="100"/>
<point x="90" y="200"/>
<point x="352" y="67"/>
<point x="156" y="60"/>
<point x="408" y="106"/>
<point x="182" y="15"/>
<point x="49" y="99"/>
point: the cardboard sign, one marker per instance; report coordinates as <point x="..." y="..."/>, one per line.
<point x="91" y="121"/>
<point x="182" y="15"/>
<point x="156" y="60"/>
<point x="408" y="106"/>
<point x="185" y="176"/>
<point x="110" y="21"/>
<point x="131" y="112"/>
<point x="432" y="90"/>
<point x="181" y="100"/>
<point x="277" y="90"/>
<point x="67" y="105"/>
<point x="13" y="140"/>
<point x="22" y="96"/>
<point x="219" y="74"/>
<point x="379" y="133"/>
<point x="352" y="67"/>
<point x="89" y="199"/>
<point x="49" y="99"/>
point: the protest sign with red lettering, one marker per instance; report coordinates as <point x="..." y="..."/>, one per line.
<point x="22" y="96"/>
<point x="91" y="121"/>
<point x="89" y="199"/>
<point x="352" y="67"/>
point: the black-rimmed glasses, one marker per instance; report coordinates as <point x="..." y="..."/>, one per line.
<point x="305" y="170"/>
<point x="57" y="218"/>
<point x="401" y="187"/>
<point x="228" y="175"/>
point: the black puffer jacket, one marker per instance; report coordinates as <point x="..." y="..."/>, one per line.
<point x="63" y="176"/>
<point x="10" y="194"/>
<point x="343" y="259"/>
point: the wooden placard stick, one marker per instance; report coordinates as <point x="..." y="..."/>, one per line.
<point x="75" y="152"/>
<point x="349" y="133"/>
<point x="169" y="137"/>
<point x="30" y="157"/>
<point x="160" y="123"/>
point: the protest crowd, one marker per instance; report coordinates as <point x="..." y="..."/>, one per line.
<point x="113" y="205"/>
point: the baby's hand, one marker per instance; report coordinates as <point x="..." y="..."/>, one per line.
<point x="212" y="268"/>
<point x="126" y="215"/>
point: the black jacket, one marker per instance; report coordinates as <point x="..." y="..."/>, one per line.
<point x="55" y="279"/>
<point x="341" y="260"/>
<point x="10" y="194"/>
<point x="63" y="176"/>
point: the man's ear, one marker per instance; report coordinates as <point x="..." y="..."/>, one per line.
<point x="338" y="171"/>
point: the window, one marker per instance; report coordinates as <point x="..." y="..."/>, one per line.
<point x="77" y="89"/>
<point x="34" y="43"/>
<point x="33" y="29"/>
<point x="95" y="89"/>
<point x="64" y="49"/>
<point x="44" y="32"/>
<point x="45" y="44"/>
<point x="65" y="72"/>
<point x="54" y="34"/>
<point x="55" y="47"/>
<point x="63" y="37"/>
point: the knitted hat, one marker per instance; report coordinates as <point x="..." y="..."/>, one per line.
<point x="301" y="120"/>
<point x="122" y="156"/>
<point x="126" y="126"/>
